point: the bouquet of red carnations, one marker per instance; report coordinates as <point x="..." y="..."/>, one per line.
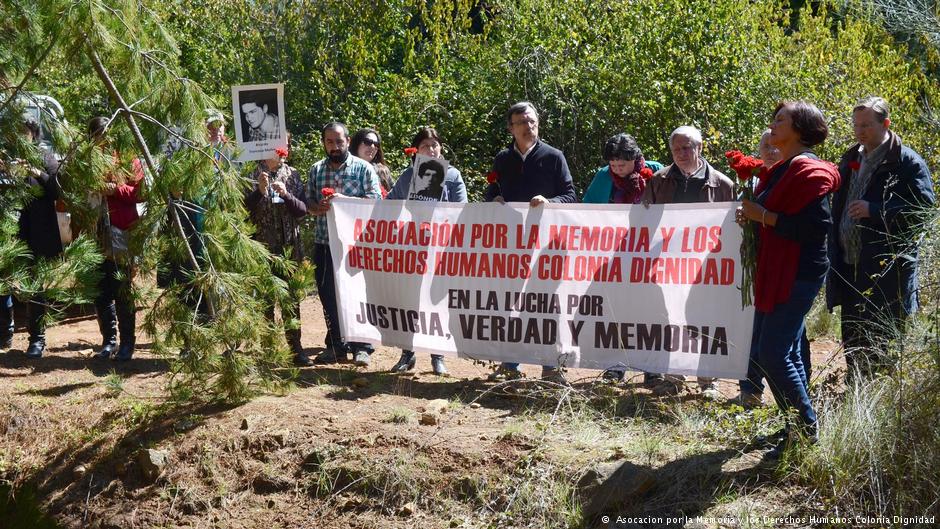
<point x="747" y="167"/>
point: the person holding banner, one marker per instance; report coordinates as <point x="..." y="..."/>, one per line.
<point x="622" y="181"/>
<point x="367" y="144"/>
<point x="528" y="170"/>
<point x="342" y="174"/>
<point x="688" y="179"/>
<point x="428" y="143"/>
<point x="792" y="207"/>
<point x="275" y="205"/>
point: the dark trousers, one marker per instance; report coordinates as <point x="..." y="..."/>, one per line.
<point x="289" y="311"/>
<point x="870" y="319"/>
<point x="6" y="317"/>
<point x="777" y="336"/>
<point x="115" y="302"/>
<point x="326" y="290"/>
<point x="754" y="383"/>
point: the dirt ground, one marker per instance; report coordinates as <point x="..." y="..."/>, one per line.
<point x="347" y="448"/>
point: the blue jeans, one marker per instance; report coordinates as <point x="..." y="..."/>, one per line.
<point x="754" y="383"/>
<point x="326" y="290"/>
<point x="6" y="317"/>
<point x="777" y="336"/>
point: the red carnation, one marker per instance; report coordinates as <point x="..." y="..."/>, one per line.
<point x="411" y="151"/>
<point x="745" y="166"/>
<point x="854" y="165"/>
<point x="327" y="192"/>
<point x="646" y="173"/>
<point x="492" y="177"/>
<point x="281" y="152"/>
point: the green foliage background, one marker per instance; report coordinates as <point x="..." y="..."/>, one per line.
<point x="592" y="67"/>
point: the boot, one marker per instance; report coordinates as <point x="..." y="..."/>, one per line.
<point x="437" y="364"/>
<point x="37" y="344"/>
<point x="37" y="333"/>
<point x="293" y="341"/>
<point x="6" y="322"/>
<point x="107" y="324"/>
<point x="128" y="328"/>
<point x="405" y="363"/>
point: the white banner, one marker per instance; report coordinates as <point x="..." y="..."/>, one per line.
<point x="585" y="285"/>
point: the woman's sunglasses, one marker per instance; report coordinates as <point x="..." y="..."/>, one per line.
<point x="371" y="142"/>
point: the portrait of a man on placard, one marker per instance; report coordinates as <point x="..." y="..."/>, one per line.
<point x="427" y="181"/>
<point x="260" y="128"/>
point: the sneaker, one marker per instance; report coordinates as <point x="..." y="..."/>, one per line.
<point x="438" y="366"/>
<point x="710" y="390"/>
<point x="747" y="400"/>
<point x="504" y="373"/>
<point x="554" y="375"/>
<point x="361" y="358"/>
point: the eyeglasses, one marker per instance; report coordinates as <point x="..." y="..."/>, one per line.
<point x="370" y="142"/>
<point x="527" y="122"/>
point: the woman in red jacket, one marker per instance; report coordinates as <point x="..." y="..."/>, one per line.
<point x="115" y="303"/>
<point x="792" y="209"/>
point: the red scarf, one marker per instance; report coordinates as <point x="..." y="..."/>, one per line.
<point x="804" y="181"/>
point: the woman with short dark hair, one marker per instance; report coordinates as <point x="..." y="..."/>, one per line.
<point x="792" y="207"/>
<point x="428" y="143"/>
<point x="623" y="180"/>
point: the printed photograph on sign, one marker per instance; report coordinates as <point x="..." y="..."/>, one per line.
<point x="427" y="181"/>
<point x="260" y="123"/>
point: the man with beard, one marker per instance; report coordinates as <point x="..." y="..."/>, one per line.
<point x="349" y="176"/>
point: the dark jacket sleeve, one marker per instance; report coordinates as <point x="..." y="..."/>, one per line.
<point x="565" y="186"/>
<point x="492" y="190"/>
<point x="809" y="225"/>
<point x="297" y="202"/>
<point x="910" y="190"/>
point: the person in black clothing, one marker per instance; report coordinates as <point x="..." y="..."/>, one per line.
<point x="529" y="170"/>
<point x="874" y="237"/>
<point x="39" y="229"/>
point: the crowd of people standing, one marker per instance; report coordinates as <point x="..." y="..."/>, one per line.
<point x="851" y="227"/>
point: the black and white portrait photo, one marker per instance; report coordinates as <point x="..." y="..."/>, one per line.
<point x="427" y="180"/>
<point x="260" y="124"/>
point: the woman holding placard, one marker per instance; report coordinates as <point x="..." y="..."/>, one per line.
<point x="426" y="147"/>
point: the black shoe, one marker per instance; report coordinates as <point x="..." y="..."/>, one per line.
<point x="330" y="357"/>
<point x="125" y="352"/>
<point x="613" y="376"/>
<point x="6" y="343"/>
<point x="405" y="363"/>
<point x="767" y="441"/>
<point x="302" y="360"/>
<point x="35" y="349"/>
<point x="438" y="366"/>
<point x="106" y="351"/>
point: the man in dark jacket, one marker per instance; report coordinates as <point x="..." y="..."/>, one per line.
<point x="874" y="236"/>
<point x="39" y="229"/>
<point x="532" y="171"/>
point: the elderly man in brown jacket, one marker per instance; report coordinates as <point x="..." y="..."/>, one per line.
<point x="688" y="179"/>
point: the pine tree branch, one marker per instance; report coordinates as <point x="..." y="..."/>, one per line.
<point x="145" y="151"/>
<point x="30" y="72"/>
